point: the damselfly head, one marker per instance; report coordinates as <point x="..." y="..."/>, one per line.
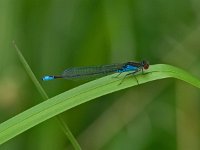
<point x="145" y="64"/>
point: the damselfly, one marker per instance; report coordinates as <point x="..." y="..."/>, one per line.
<point x="98" y="71"/>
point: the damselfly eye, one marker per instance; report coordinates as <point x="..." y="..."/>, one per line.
<point x="145" y="64"/>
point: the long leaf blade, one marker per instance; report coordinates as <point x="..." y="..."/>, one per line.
<point x="84" y="93"/>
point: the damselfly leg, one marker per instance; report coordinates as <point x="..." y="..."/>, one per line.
<point x="133" y="75"/>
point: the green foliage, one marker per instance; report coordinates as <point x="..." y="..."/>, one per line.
<point x="85" y="93"/>
<point x="55" y="35"/>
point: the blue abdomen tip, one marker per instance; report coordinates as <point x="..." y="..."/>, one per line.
<point x="47" y="78"/>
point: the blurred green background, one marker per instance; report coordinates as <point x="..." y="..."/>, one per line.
<point x="54" y="35"/>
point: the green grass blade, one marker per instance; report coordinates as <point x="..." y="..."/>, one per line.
<point x="84" y="93"/>
<point x="62" y="123"/>
<point x="30" y="72"/>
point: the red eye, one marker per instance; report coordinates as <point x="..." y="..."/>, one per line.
<point x="146" y="66"/>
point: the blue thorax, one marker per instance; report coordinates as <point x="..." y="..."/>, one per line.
<point x="127" y="68"/>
